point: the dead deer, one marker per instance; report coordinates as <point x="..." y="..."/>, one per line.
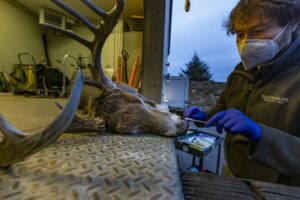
<point x="124" y="111"/>
<point x="118" y="106"/>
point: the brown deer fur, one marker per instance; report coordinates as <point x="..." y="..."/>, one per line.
<point x="126" y="111"/>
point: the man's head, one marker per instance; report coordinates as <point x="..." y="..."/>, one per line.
<point x="280" y="12"/>
<point x="263" y="28"/>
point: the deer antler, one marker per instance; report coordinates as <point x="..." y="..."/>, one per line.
<point x="15" y="145"/>
<point x="109" y="20"/>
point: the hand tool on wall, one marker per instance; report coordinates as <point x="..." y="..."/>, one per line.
<point x="125" y="57"/>
<point x="187" y="5"/>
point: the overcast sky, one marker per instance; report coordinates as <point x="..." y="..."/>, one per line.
<point x="201" y="30"/>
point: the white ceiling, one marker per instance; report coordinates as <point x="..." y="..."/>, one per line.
<point x="132" y="7"/>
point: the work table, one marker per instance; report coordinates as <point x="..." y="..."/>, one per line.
<point x="93" y="166"/>
<point x="87" y="165"/>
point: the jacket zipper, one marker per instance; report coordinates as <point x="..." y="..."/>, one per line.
<point x="247" y="98"/>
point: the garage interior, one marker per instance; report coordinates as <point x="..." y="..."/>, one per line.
<point x="108" y="165"/>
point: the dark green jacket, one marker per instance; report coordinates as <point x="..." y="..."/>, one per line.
<point x="272" y="99"/>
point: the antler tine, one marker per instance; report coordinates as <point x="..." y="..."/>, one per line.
<point x="71" y="34"/>
<point x="15" y="146"/>
<point x="97" y="84"/>
<point x="115" y="13"/>
<point x="117" y="10"/>
<point x="101" y="33"/>
<point x="73" y="12"/>
<point x="104" y="30"/>
<point x="96" y="9"/>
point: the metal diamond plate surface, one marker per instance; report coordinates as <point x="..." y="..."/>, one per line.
<point x="93" y="166"/>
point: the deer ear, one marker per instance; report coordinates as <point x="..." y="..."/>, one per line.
<point x="96" y="84"/>
<point x="132" y="98"/>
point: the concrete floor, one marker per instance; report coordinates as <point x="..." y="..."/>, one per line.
<point x="31" y="114"/>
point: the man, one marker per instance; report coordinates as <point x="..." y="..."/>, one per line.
<point x="260" y="106"/>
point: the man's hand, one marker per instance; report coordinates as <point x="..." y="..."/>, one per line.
<point x="235" y="122"/>
<point x="194" y="113"/>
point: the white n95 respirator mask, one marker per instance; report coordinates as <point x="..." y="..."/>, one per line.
<point x="254" y="52"/>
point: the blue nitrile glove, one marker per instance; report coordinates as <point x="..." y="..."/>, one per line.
<point x="235" y="122"/>
<point x="194" y="113"/>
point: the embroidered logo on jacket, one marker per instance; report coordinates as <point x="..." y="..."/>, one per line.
<point x="274" y="99"/>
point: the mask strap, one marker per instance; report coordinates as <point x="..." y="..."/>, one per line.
<point x="278" y="35"/>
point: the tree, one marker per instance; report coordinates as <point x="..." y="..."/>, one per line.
<point x="197" y="70"/>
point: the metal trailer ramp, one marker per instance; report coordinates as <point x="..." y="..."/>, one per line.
<point x="94" y="166"/>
